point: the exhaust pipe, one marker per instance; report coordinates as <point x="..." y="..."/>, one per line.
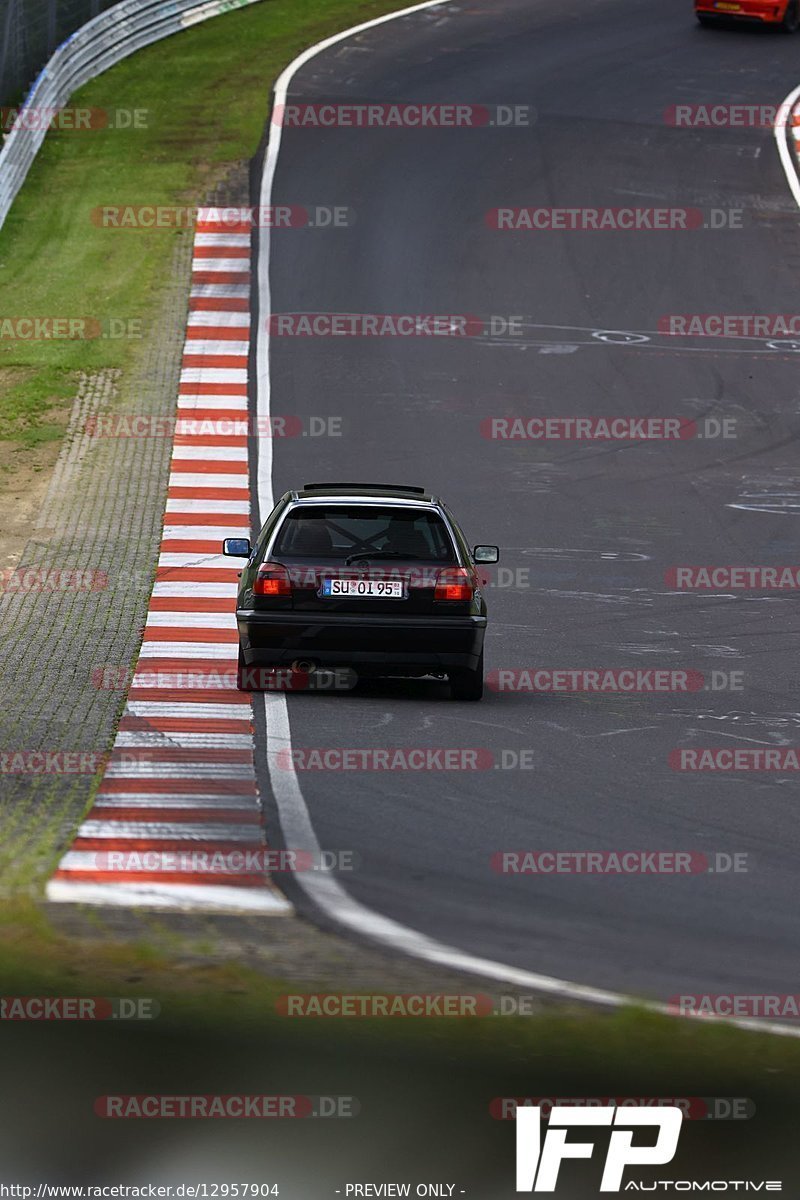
<point x="305" y="665"/>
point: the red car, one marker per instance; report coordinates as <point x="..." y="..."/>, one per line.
<point x="785" y="14"/>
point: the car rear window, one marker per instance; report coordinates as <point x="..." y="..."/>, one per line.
<point x="338" y="531"/>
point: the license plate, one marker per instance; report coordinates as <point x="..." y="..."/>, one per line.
<point x="383" y="589"/>
<point x="727" y="7"/>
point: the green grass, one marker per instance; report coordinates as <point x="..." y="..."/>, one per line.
<point x="35" y="402"/>
<point x="635" y="1051"/>
<point x="206" y="94"/>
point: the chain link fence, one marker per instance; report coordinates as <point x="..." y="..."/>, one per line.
<point x="30" y="30"/>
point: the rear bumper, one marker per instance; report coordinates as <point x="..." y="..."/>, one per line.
<point x="379" y="644"/>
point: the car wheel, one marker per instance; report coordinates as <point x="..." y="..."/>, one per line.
<point x="242" y="682"/>
<point x="706" y="22"/>
<point x="466" y="684"/>
<point x="791" y="18"/>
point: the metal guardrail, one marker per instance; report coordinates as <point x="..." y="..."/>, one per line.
<point x="97" y="45"/>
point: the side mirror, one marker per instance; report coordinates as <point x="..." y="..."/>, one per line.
<point x="237" y="547"/>
<point x="486" y="554"/>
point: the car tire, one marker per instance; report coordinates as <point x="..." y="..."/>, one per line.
<point x="241" y="667"/>
<point x="791" y="18"/>
<point x="466" y="684"/>
<point x="706" y="22"/>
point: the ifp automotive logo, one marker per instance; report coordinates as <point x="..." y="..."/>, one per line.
<point x="538" y="1161"/>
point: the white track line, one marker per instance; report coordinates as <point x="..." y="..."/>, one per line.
<point x="782" y="123"/>
<point x="322" y="888"/>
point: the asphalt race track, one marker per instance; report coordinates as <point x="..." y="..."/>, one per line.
<point x="588" y="529"/>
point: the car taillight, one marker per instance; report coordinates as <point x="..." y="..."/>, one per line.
<point x="453" y="583"/>
<point x="272" y="580"/>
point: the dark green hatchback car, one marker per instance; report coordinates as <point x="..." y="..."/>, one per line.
<point x="374" y="578"/>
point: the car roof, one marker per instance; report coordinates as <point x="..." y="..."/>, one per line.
<point x="374" y="493"/>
